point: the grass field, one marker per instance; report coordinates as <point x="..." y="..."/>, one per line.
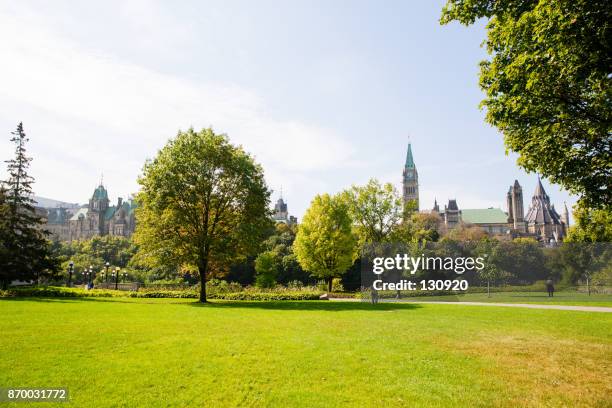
<point x="176" y="353"/>
<point x="568" y="298"/>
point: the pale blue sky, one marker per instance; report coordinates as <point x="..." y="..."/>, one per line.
<point x="324" y="93"/>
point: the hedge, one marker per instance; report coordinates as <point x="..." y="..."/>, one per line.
<point x="190" y="294"/>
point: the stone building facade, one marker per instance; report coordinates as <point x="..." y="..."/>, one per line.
<point x="97" y="218"/>
<point x="541" y="221"/>
<point x="281" y="213"/>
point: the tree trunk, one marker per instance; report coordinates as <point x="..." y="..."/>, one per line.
<point x="202" y="270"/>
<point x="488" y="289"/>
<point x="588" y="287"/>
<point x="329" y="284"/>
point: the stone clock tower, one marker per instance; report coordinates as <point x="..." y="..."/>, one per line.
<point x="411" y="180"/>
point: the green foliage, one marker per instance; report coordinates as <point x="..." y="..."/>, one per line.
<point x="590" y="225"/>
<point x="25" y="252"/>
<point x="280" y="244"/>
<point x="580" y="261"/>
<point x="5" y="235"/>
<point x="547" y="87"/>
<point x="325" y="245"/>
<point x="54" y="291"/>
<point x="376" y="210"/>
<point x="94" y="253"/>
<point x="218" y="291"/>
<point x="270" y="296"/>
<point x="266" y="268"/>
<point x="203" y="205"/>
<point x="418" y="228"/>
<point x="523" y="259"/>
<point x="489" y="250"/>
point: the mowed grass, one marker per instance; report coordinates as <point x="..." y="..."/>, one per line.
<point x="177" y="353"/>
<point x="568" y="298"/>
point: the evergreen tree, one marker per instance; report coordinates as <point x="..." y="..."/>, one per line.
<point x="4" y="235"/>
<point x="27" y="253"/>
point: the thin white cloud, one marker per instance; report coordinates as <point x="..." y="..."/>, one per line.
<point x="97" y="113"/>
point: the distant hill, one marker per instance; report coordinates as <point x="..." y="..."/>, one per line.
<point x="50" y="203"/>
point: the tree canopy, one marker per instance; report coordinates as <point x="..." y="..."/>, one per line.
<point x="376" y="209"/>
<point x="203" y="203"/>
<point x="325" y="245"/>
<point x="547" y="85"/>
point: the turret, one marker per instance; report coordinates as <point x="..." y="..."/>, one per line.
<point x="565" y="217"/>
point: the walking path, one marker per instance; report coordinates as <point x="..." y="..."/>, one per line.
<point x="601" y="309"/>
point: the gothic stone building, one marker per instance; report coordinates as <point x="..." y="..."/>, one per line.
<point x="281" y="213"/>
<point x="96" y="218"/>
<point x="541" y="221"/>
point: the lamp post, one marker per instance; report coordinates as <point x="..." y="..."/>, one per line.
<point x="70" y="271"/>
<point x="116" y="272"/>
<point x="90" y="275"/>
<point x="124" y="275"/>
<point x="106" y="265"/>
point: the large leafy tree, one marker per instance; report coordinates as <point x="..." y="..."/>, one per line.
<point x="325" y="245"/>
<point x="376" y="210"/>
<point x="547" y="86"/>
<point x="203" y="204"/>
<point x="27" y="252"/>
<point x="590" y="225"/>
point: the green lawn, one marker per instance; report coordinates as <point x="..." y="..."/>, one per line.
<point x="176" y="353"/>
<point x="568" y="298"/>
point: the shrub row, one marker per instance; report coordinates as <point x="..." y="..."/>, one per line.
<point x="183" y="294"/>
<point x="251" y="295"/>
<point x="160" y="293"/>
<point x="53" y="291"/>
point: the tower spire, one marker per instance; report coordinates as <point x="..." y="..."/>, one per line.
<point x="409" y="158"/>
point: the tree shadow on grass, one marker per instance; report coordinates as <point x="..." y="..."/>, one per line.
<point x="307" y="305"/>
<point x="63" y="299"/>
<point x="304" y="305"/>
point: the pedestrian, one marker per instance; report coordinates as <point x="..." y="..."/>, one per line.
<point x="374" y="296"/>
<point x="550" y="288"/>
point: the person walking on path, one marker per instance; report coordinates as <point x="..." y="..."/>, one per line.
<point x="550" y="288"/>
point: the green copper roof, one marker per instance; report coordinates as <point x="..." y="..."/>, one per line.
<point x="109" y="213"/>
<point x="128" y="206"/>
<point x="100" y="193"/>
<point x="484" y="216"/>
<point x="409" y="159"/>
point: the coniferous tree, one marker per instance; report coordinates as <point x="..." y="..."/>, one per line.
<point x="4" y="236"/>
<point x="26" y="252"/>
